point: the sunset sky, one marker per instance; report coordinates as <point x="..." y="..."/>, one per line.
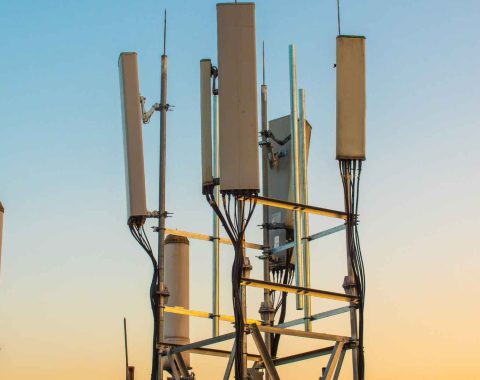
<point x="71" y="270"/>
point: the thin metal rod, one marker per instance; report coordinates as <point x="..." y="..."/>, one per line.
<point x="162" y="210"/>
<point x="263" y="66"/>
<point x="303" y="143"/>
<point x="298" y="290"/>
<point x="338" y="17"/>
<point x="126" y="346"/>
<point x="266" y="234"/>
<point x="231" y="359"/>
<point x="165" y="32"/>
<point x="262" y="350"/>
<point x="299" y="281"/>
<point x="216" y="226"/>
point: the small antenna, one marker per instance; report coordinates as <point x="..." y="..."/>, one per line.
<point x="165" y="32"/>
<point x="338" y="16"/>
<point x="126" y="346"/>
<point x="263" y="61"/>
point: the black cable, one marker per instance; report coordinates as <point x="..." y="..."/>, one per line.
<point x="236" y="231"/>
<point x="350" y="172"/>
<point x="138" y="232"/>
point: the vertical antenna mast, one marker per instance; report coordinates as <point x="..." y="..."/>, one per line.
<point x="126" y="346"/>
<point x="162" y="290"/>
<point x="165" y="32"/>
<point x="338" y="17"/>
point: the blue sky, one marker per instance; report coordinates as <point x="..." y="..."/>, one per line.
<point x="70" y="269"/>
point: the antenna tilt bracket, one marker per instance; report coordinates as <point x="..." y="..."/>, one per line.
<point x="147" y="115"/>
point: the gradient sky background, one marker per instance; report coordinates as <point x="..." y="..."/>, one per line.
<point x="71" y="270"/>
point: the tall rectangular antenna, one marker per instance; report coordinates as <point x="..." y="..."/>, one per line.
<point x="132" y="136"/>
<point x="237" y="70"/>
<point x="351" y="103"/>
<point x="206" y="120"/>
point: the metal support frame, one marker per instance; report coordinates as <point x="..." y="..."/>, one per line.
<point x="302" y="238"/>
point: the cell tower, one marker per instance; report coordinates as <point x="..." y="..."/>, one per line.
<point x="231" y="185"/>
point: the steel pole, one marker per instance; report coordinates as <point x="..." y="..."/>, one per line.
<point x="296" y="172"/>
<point x="266" y="237"/>
<point x="161" y="220"/>
<point x="304" y="199"/>
<point x="216" y="226"/>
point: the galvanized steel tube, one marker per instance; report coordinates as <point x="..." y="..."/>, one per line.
<point x="304" y="199"/>
<point x="296" y="172"/>
<point x="216" y="227"/>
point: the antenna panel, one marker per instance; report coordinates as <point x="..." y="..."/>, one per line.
<point x="351" y="103"/>
<point x="206" y="120"/>
<point x="280" y="180"/>
<point x="132" y="135"/>
<point x="238" y="117"/>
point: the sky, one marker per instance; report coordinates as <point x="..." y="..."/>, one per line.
<point x="70" y="269"/>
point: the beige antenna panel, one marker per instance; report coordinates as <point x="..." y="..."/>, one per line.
<point x="132" y="135"/>
<point x="206" y="120"/>
<point x="351" y="103"/>
<point x="237" y="70"/>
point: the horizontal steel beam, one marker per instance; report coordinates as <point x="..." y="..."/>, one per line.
<point x="330" y="231"/>
<point x="213" y="352"/>
<point x="197" y="236"/>
<point x="310" y="238"/>
<point x="204" y="342"/>
<point x="298" y="290"/>
<point x="315" y="317"/>
<point x="298" y="206"/>
<point x="203" y="314"/>
<point x="303" y="356"/>
<point x="304" y="334"/>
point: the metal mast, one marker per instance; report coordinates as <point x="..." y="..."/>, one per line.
<point x="266" y="308"/>
<point x="162" y="291"/>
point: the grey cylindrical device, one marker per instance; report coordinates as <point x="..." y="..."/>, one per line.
<point x="177" y="329"/>
<point x="2" y="210"/>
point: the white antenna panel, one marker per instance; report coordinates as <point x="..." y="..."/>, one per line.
<point x="132" y="136"/>
<point x="351" y="103"/>
<point x="237" y="70"/>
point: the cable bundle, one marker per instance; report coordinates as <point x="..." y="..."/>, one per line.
<point x="350" y="171"/>
<point x="285" y="277"/>
<point x="235" y="220"/>
<point x="138" y="232"/>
